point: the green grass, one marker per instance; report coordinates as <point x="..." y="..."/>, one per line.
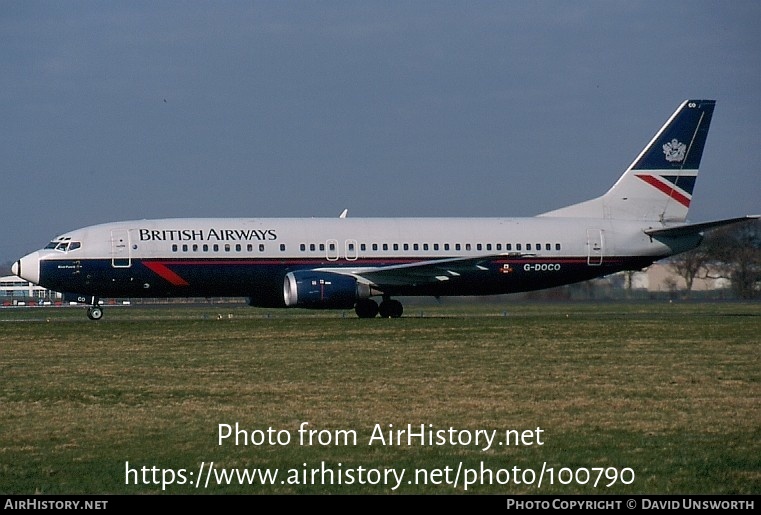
<point x="670" y="391"/>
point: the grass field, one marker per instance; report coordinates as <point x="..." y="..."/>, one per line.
<point x="649" y="398"/>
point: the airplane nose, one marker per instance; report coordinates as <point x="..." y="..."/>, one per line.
<point x="28" y="267"/>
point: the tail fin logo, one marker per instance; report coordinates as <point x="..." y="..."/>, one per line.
<point x="674" y="150"/>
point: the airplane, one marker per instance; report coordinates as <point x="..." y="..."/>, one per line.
<point x="345" y="262"/>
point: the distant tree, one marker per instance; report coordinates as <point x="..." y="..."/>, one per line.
<point x="628" y="282"/>
<point x="670" y="284"/>
<point x="735" y="254"/>
<point x="689" y="265"/>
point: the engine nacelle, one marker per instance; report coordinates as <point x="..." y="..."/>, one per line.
<point x="322" y="290"/>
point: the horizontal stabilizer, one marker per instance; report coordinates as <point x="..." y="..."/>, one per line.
<point x="688" y="229"/>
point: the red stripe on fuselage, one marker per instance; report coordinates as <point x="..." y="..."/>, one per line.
<point x="161" y="270"/>
<point x="668" y="190"/>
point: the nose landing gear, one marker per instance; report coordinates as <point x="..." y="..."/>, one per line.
<point x="94" y="311"/>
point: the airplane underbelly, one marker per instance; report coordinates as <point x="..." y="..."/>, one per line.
<point x="263" y="280"/>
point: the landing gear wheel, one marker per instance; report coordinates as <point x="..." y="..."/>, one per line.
<point x="390" y="308"/>
<point x="94" y="313"/>
<point x="366" y="308"/>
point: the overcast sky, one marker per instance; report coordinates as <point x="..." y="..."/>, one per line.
<point x="122" y="110"/>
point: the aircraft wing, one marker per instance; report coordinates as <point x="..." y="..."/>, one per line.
<point x="422" y="272"/>
<point x="688" y="229"/>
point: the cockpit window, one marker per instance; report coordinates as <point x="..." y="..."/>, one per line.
<point x="63" y="246"/>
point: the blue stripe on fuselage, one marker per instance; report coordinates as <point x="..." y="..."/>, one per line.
<point x="243" y="277"/>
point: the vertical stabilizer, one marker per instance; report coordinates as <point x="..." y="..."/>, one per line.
<point x="658" y="185"/>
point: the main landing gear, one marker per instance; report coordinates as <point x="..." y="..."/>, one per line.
<point x="368" y="308"/>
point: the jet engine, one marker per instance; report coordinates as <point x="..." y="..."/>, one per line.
<point x="322" y="290"/>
